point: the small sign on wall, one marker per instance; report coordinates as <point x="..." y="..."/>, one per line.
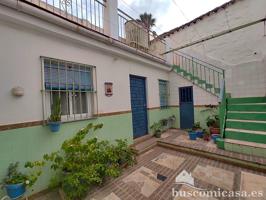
<point x="108" y="89"/>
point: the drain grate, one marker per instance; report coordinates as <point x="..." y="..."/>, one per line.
<point x="161" y="177"/>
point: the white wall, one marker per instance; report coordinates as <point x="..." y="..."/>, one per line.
<point x="241" y="53"/>
<point x="24" y="39"/>
<point x="21" y="48"/>
<point x="200" y="96"/>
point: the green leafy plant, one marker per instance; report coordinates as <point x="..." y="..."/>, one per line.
<point x="164" y="122"/>
<point x="213" y="119"/>
<point x="196" y="126"/>
<point x="156" y="129"/>
<point x="14" y="176"/>
<point x="56" y="111"/>
<point x="206" y="135"/>
<point x="82" y="162"/>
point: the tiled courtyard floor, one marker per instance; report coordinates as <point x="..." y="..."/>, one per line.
<point x="153" y="177"/>
<point x="141" y="181"/>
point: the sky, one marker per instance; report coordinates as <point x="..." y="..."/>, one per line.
<point x="169" y="14"/>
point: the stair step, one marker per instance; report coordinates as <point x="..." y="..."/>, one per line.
<point x="246" y="135"/>
<point x="246" y="124"/>
<point x="196" y="78"/>
<point x="245" y="143"/>
<point x="247" y="116"/>
<point x="201" y="82"/>
<point x="186" y="73"/>
<point x="217" y="90"/>
<point x="190" y="76"/>
<point x="244" y="147"/>
<point x="243" y="107"/>
<point x="208" y="85"/>
<point x="247" y="100"/>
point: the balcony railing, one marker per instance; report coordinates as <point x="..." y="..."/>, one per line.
<point x="91" y="14"/>
<point x="88" y="13"/>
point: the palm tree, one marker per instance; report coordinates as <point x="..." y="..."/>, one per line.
<point x="147" y="20"/>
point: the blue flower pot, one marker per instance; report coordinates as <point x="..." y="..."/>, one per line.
<point x="54" y="126"/>
<point x="199" y="133"/>
<point x="192" y="135"/>
<point x="15" y="191"/>
<point x="214" y="137"/>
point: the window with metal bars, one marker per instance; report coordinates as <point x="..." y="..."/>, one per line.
<point x="73" y="84"/>
<point x="164" y="93"/>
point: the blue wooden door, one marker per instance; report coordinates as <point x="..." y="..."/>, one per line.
<point x="138" y="105"/>
<point x="186" y="107"/>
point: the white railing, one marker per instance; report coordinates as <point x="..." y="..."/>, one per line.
<point x="92" y="14"/>
<point x="88" y="13"/>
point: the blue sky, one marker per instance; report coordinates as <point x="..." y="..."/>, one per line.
<point x="169" y="13"/>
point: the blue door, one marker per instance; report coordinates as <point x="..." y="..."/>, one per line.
<point x="138" y="105"/>
<point x="186" y="107"/>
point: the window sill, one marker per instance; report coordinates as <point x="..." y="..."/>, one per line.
<point x="74" y="120"/>
<point x="78" y="119"/>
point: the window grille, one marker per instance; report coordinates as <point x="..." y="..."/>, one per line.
<point x="164" y="93"/>
<point x="73" y="84"/>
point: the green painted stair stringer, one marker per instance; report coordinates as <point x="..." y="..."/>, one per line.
<point x="196" y="80"/>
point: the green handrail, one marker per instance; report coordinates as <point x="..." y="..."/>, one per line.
<point x="209" y="76"/>
<point x="222" y="108"/>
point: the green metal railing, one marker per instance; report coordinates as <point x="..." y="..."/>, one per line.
<point x="222" y="109"/>
<point x="203" y="74"/>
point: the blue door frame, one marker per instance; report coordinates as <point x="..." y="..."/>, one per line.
<point x="186" y="107"/>
<point x="138" y="105"/>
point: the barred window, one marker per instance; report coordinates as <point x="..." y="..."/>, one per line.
<point x="163" y="91"/>
<point x="73" y="84"/>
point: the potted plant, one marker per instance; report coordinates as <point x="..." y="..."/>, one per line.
<point x="197" y="128"/>
<point x="206" y="135"/>
<point x="16" y="182"/>
<point x="192" y="134"/>
<point x="172" y="120"/>
<point x="164" y="123"/>
<point x="213" y="123"/>
<point x="54" y="120"/>
<point x="157" y="129"/>
<point x="215" y="137"/>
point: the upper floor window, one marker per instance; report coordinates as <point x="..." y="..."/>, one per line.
<point x="73" y="84"/>
<point x="164" y="93"/>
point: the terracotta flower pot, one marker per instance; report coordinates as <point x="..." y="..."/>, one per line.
<point x="215" y="130"/>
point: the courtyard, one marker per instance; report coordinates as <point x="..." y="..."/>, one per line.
<point x="154" y="175"/>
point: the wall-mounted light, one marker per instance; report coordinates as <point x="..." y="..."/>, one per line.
<point x="17" y="91"/>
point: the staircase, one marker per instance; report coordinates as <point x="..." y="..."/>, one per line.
<point x="242" y="120"/>
<point x="202" y="74"/>
<point x="245" y="126"/>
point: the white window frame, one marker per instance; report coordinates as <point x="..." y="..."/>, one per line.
<point x="91" y="96"/>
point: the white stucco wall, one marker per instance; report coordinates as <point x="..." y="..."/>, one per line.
<point x="24" y="39"/>
<point x="21" y="48"/>
<point x="241" y="53"/>
<point x="200" y="96"/>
